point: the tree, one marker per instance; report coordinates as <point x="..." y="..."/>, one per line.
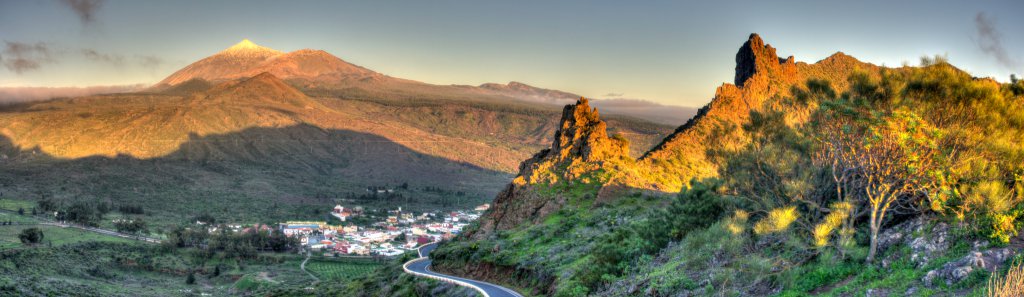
<point x="891" y="158"/>
<point x="191" y="278"/>
<point x="131" y="225"/>
<point x="216" y="270"/>
<point x="31" y="236"/>
<point x="83" y="213"/>
<point x="21" y="211"/>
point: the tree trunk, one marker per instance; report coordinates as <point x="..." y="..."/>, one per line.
<point x="874" y="224"/>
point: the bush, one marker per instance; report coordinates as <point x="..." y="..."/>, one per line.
<point x="778" y="220"/>
<point x="31" y="236"/>
<point x="696" y="208"/>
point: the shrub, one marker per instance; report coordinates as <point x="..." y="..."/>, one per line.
<point x="778" y="220"/>
<point x="822" y="231"/>
<point x="696" y="208"/>
<point x="1003" y="227"/>
<point x="31" y="236"/>
<point x="1009" y="285"/>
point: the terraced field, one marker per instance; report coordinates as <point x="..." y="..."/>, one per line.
<point x="341" y="269"/>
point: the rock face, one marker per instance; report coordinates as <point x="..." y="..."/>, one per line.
<point x="581" y="146"/>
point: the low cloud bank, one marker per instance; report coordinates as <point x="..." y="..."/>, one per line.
<point x="10" y="95"/>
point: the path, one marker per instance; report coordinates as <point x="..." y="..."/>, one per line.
<point x="303" y="267"/>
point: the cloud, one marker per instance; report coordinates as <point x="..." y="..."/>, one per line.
<point x="22" y="57"/>
<point x="609" y="95"/>
<point x="10" y="95"/>
<point x="991" y="42"/>
<point x="85" y="9"/>
<point x="149" y="62"/>
<point x="113" y="59"/>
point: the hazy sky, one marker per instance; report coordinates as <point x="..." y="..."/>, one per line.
<point x="672" y="52"/>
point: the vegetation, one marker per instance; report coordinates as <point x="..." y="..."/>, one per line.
<point x="341" y="269"/>
<point x="139" y="269"/>
<point x="31" y="236"/>
<point x="801" y="199"/>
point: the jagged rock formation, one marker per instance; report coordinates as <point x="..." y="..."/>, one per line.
<point x="761" y="76"/>
<point x="581" y="147"/>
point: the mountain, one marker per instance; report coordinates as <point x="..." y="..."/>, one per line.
<point x="246" y="59"/>
<point x="259" y="128"/>
<point x="636" y="108"/>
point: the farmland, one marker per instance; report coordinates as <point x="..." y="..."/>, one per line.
<point x="341" y="269"/>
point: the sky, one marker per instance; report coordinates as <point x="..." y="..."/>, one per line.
<point x="670" y="52"/>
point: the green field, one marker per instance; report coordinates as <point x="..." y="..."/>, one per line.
<point x="14" y="205"/>
<point x="342" y="269"/>
<point x="15" y="218"/>
<point x="52" y="234"/>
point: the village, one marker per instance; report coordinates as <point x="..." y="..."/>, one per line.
<point x="399" y="232"/>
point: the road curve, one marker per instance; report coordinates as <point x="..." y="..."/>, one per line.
<point x="421" y="267"/>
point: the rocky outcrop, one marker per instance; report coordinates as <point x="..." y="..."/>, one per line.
<point x="682" y="156"/>
<point x="581" y="146"/>
<point x="928" y="241"/>
<point x="956" y="271"/>
<point x="756" y="57"/>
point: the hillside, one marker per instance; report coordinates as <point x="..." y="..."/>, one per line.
<point x="837" y="178"/>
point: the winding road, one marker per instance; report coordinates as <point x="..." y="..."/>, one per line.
<point x="421" y="267"/>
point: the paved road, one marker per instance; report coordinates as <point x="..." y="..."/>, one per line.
<point x="421" y="267"/>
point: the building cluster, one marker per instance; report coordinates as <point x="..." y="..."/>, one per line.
<point x="400" y="231"/>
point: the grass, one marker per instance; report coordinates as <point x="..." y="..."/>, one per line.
<point x="14" y="205"/>
<point x="343" y="269"/>
<point x="94" y="268"/>
<point x="54" y="235"/>
<point x="15" y="218"/>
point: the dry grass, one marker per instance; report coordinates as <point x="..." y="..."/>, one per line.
<point x="1010" y="285"/>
